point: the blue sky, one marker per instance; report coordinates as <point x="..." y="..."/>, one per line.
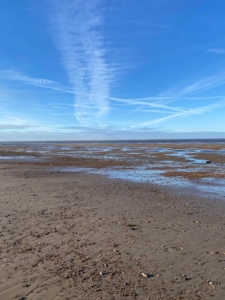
<point x="114" y="69"/>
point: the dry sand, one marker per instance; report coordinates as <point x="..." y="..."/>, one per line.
<point x="79" y="236"/>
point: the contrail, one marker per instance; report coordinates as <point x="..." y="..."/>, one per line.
<point x="84" y="56"/>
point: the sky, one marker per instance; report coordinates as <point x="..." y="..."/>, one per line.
<point x="110" y="70"/>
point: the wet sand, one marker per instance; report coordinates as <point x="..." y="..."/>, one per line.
<point x="80" y="236"/>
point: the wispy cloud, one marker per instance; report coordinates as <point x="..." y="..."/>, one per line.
<point x="153" y="102"/>
<point x="83" y="52"/>
<point x="149" y="111"/>
<point x="189" y="112"/>
<point x="39" y="82"/>
<point x="196" y="87"/>
<point x="217" y="51"/>
<point x="165" y="102"/>
<point x="15" y="126"/>
<point x="165" y="26"/>
<point x="153" y="25"/>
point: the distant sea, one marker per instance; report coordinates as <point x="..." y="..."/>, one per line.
<point x="158" y="141"/>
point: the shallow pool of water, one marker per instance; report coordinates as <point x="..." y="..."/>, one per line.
<point x="203" y="187"/>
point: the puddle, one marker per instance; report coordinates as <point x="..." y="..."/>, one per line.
<point x="125" y="149"/>
<point x="221" y="151"/>
<point x="161" y="150"/>
<point x="27" y="158"/>
<point x="66" y="148"/>
<point x="135" y="153"/>
<point x="188" y="157"/>
<point x="107" y="149"/>
<point x="214" y="186"/>
<point x="203" y="187"/>
<point x="143" y="166"/>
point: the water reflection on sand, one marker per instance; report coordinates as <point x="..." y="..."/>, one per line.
<point x="144" y="163"/>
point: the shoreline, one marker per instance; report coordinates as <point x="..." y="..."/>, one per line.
<point x="82" y="236"/>
<point x="199" y="167"/>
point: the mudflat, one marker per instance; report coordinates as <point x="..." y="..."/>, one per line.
<point x="82" y="236"/>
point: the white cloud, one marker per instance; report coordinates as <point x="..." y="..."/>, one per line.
<point x="148" y="111"/>
<point x="39" y="82"/>
<point x="217" y="51"/>
<point x="18" y="76"/>
<point x="153" y="102"/>
<point x="16" y="126"/>
<point x="189" y="112"/>
<point x="196" y="87"/>
<point x="84" y="56"/>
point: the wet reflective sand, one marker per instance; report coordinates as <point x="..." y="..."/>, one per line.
<point x="183" y="166"/>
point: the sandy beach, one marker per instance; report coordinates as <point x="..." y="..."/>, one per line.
<point x="112" y="150"/>
<point x="83" y="236"/>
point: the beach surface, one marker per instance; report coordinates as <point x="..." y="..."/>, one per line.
<point x="83" y="236"/>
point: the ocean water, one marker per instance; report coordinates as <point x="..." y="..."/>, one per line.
<point x="158" y="141"/>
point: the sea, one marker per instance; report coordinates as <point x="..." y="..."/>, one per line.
<point x="157" y="141"/>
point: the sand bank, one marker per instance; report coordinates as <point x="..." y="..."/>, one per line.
<point x="79" y="236"/>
